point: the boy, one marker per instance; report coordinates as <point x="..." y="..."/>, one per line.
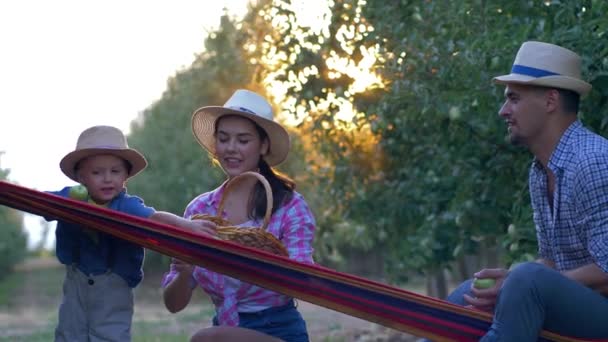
<point x="102" y="270"/>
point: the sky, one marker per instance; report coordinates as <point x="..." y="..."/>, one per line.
<point x="67" y="65"/>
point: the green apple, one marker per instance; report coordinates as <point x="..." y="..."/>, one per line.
<point x="79" y="192"/>
<point x="484" y="283"/>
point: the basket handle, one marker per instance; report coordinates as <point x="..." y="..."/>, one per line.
<point x="262" y="180"/>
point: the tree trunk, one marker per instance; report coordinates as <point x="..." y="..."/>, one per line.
<point x="436" y="285"/>
<point x="463" y="271"/>
<point x="489" y="254"/>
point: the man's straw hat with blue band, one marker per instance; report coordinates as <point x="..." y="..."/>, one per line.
<point x="546" y="65"/>
<point x="250" y="105"/>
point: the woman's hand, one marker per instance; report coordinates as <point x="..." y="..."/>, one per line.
<point x="204" y="227"/>
<point x="485" y="299"/>
<point x="183" y="268"/>
<point x="178" y="292"/>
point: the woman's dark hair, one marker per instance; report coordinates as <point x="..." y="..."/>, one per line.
<point x="282" y="190"/>
<point x="281" y="185"/>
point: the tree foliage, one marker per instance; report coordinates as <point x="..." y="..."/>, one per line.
<point x="448" y="181"/>
<point x="468" y="185"/>
<point x="13" y="241"/>
<point x="396" y="119"/>
<point x="179" y="168"/>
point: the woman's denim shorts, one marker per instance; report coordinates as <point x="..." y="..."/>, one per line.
<point x="284" y="322"/>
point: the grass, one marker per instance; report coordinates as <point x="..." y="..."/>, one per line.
<point x="43" y="336"/>
<point x="48" y="335"/>
<point x="161" y="338"/>
<point x="8" y="287"/>
<point x="30" y="297"/>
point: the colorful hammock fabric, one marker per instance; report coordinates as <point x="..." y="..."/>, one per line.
<point x="392" y="307"/>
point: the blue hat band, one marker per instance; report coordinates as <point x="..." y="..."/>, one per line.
<point x="243" y="109"/>
<point x="533" y="72"/>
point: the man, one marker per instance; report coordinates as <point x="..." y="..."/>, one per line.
<point x="565" y="290"/>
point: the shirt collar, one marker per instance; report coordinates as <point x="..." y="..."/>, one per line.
<point x="114" y="202"/>
<point x="558" y="158"/>
<point x="216" y="195"/>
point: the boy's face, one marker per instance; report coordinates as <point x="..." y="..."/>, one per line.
<point x="104" y="176"/>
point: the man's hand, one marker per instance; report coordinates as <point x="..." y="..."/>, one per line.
<point x="485" y="299"/>
<point x="603" y="290"/>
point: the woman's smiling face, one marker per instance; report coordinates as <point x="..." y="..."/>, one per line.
<point x="238" y="145"/>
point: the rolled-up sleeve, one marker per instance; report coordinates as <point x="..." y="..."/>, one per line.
<point x="298" y="226"/>
<point x="169" y="276"/>
<point x="591" y="189"/>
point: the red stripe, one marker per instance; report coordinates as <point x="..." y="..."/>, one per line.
<point x="350" y="300"/>
<point x="77" y="211"/>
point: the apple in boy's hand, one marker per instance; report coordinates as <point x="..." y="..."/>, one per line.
<point x="79" y="192"/>
<point x="484" y="283"/>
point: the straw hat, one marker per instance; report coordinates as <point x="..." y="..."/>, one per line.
<point x="249" y="105"/>
<point x="546" y="65"/>
<point x="102" y="140"/>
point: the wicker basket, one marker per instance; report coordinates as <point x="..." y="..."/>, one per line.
<point x="256" y="237"/>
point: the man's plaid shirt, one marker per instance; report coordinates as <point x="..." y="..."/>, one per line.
<point x="575" y="231"/>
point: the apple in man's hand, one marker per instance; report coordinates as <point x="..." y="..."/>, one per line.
<point x="484" y="283"/>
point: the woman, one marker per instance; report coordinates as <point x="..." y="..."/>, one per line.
<point x="242" y="136"/>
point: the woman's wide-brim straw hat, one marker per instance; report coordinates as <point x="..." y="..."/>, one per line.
<point x="546" y="65"/>
<point x="98" y="140"/>
<point x="249" y="105"/>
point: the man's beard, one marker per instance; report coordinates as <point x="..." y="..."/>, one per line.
<point x="514" y="139"/>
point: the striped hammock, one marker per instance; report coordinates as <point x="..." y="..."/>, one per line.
<point x="392" y="307"/>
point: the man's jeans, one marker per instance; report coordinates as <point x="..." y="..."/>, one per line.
<point x="535" y="297"/>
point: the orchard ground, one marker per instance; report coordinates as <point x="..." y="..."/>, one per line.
<point x="29" y="299"/>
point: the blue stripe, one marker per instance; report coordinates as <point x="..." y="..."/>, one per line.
<point x="298" y="281"/>
<point x="529" y="71"/>
<point x="243" y="109"/>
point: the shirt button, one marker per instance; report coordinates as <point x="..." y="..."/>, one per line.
<point x="91" y="281"/>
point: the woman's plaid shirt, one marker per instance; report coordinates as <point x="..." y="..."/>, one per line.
<point x="293" y="224"/>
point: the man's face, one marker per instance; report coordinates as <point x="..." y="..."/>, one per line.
<point x="525" y="113"/>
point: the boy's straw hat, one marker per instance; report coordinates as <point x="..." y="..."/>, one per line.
<point x="102" y="140"/>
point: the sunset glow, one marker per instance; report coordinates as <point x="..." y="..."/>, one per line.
<point x="308" y="27"/>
